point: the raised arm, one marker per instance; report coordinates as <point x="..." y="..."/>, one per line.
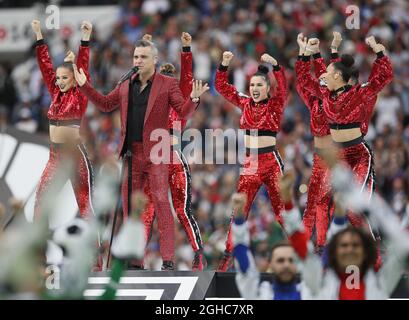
<point x="319" y="64"/>
<point x="228" y="91"/>
<point x="43" y="58"/>
<point x="104" y="103"/>
<point x="303" y="73"/>
<point x="186" y="68"/>
<point x="281" y="91"/>
<point x="381" y="73"/>
<point x="83" y="51"/>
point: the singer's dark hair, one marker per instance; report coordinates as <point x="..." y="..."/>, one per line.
<point x="262" y="71"/>
<point x="345" y="66"/>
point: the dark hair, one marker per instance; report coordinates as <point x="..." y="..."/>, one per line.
<point x="345" y="66"/>
<point x="146" y="43"/>
<point x="167" y="69"/>
<point x="355" y="75"/>
<point x="67" y="65"/>
<point x="368" y="244"/>
<point x="262" y="71"/>
<point x="283" y="243"/>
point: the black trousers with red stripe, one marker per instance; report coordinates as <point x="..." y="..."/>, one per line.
<point x="67" y="162"/>
<point x="180" y="184"/>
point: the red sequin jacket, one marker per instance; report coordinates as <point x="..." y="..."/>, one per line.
<point x="70" y="105"/>
<point x="353" y="105"/>
<point x="318" y="121"/>
<point x="265" y="115"/>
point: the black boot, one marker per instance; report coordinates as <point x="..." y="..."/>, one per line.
<point x="168" y="266"/>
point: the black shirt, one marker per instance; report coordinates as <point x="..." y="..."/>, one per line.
<point x="139" y="103"/>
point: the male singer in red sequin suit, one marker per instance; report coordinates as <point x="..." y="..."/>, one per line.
<point x="261" y="113"/>
<point x="179" y="172"/>
<point x="67" y="108"/>
<point x="152" y="95"/>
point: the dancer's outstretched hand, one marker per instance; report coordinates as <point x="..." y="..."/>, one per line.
<point x="227" y="56"/>
<point x="198" y="89"/>
<point x="186" y="39"/>
<point x="80" y="76"/>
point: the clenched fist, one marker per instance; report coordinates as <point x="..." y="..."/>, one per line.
<point x="336" y="40"/>
<point x="36" y="26"/>
<point x="376" y="47"/>
<point x="86" y="28"/>
<point x="227" y="56"/>
<point x="186" y="39"/>
<point x="313" y="46"/>
<point x="301" y="40"/>
<point x="269" y="59"/>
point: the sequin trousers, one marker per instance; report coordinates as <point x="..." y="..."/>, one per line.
<point x="319" y="209"/>
<point x="180" y="183"/>
<point x="266" y="168"/>
<point x="66" y="162"/>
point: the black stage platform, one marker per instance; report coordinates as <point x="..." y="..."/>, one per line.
<point x="186" y="285"/>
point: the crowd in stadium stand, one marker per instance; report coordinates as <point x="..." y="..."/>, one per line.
<point x="248" y="29"/>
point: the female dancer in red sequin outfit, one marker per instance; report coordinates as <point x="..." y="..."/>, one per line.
<point x="261" y="114"/>
<point x="319" y="205"/>
<point x="346" y="108"/>
<point x="67" y="107"/>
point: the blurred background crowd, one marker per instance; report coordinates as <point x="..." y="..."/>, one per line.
<point x="248" y="29"/>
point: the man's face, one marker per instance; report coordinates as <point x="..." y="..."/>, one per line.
<point x="144" y="59"/>
<point x="282" y="264"/>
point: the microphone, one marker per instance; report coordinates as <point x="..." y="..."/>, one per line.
<point x="129" y="74"/>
